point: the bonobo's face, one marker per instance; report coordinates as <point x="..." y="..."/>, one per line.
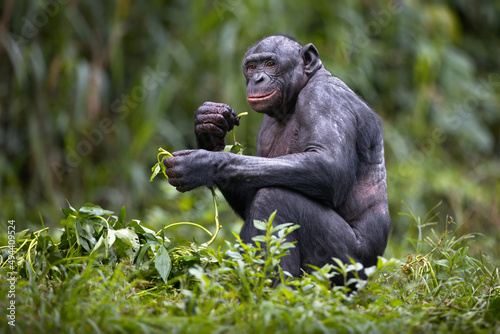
<point x="274" y="72"/>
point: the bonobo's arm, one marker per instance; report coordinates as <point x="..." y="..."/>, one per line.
<point x="324" y="168"/>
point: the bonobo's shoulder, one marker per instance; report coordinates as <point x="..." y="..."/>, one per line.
<point x="325" y="92"/>
<point x="323" y="82"/>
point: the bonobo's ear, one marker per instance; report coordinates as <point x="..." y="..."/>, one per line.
<point x="310" y="56"/>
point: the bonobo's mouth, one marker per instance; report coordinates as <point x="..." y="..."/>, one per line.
<point x="253" y="98"/>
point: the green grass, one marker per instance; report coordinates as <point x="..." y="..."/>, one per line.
<point x="81" y="285"/>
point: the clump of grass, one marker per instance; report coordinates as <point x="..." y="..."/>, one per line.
<point x="77" y="286"/>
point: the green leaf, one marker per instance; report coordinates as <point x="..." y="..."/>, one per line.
<point x="109" y="240"/>
<point x="287" y="245"/>
<point x="260" y="225"/>
<point x="128" y="236"/>
<point x="280" y="227"/>
<point x="45" y="243"/>
<point x="287" y="231"/>
<point x="156" y="170"/>
<point x="136" y="225"/>
<point x="143" y="251"/>
<point x="271" y="217"/>
<point x="163" y="263"/>
<point x="97" y="245"/>
<point x="70" y="207"/>
<point x="94" y="210"/>
<point x="259" y="238"/>
<point x="460" y="254"/>
<point x="127" y="243"/>
<point x="443" y="263"/>
<point x="120" y="222"/>
<point x="152" y="237"/>
<point x="67" y="212"/>
<point x="234" y="255"/>
<point x="68" y="222"/>
<point x="80" y="235"/>
<point x="21" y="234"/>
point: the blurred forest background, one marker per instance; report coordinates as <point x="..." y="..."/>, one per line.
<point x="90" y="89"/>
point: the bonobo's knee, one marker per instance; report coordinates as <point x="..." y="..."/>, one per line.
<point x="265" y="202"/>
<point x="268" y="200"/>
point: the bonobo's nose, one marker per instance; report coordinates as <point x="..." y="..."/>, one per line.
<point x="258" y="78"/>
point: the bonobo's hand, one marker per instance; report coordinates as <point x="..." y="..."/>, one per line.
<point x="190" y="169"/>
<point x="212" y="122"/>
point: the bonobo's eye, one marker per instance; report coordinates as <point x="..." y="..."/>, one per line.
<point x="270" y="63"/>
<point x="251" y="67"/>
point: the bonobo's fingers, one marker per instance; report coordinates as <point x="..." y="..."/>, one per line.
<point x="168" y="162"/>
<point x="210" y="142"/>
<point x="206" y="108"/>
<point x="189" y="169"/>
<point x="174" y="169"/>
<point x="222" y="109"/>
<point x="209" y="128"/>
<point x="212" y="120"/>
<point x="209" y="121"/>
<point x="230" y="116"/>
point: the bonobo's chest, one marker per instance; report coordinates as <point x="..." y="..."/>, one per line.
<point x="277" y="139"/>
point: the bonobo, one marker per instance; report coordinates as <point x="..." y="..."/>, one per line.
<point x="320" y="159"/>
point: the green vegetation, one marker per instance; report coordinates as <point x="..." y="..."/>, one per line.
<point x="100" y="278"/>
<point x="89" y="90"/>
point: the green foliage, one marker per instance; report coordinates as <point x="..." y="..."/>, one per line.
<point x="439" y="288"/>
<point x="89" y="90"/>
<point x="93" y="235"/>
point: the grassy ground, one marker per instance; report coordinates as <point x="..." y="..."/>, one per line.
<point x="107" y="274"/>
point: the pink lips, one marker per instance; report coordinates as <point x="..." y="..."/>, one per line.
<point x="261" y="98"/>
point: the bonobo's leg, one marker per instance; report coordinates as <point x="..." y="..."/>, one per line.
<point x="323" y="234"/>
<point x="265" y="202"/>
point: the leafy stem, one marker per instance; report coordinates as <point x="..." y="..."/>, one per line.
<point x="160" y="167"/>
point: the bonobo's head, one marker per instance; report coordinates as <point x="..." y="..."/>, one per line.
<point x="276" y="69"/>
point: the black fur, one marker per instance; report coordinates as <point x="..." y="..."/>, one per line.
<point x="320" y="158"/>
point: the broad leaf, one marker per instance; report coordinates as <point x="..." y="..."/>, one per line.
<point x="130" y="238"/>
<point x="94" y="210"/>
<point x="260" y="225"/>
<point x="109" y="241"/>
<point x="163" y="263"/>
